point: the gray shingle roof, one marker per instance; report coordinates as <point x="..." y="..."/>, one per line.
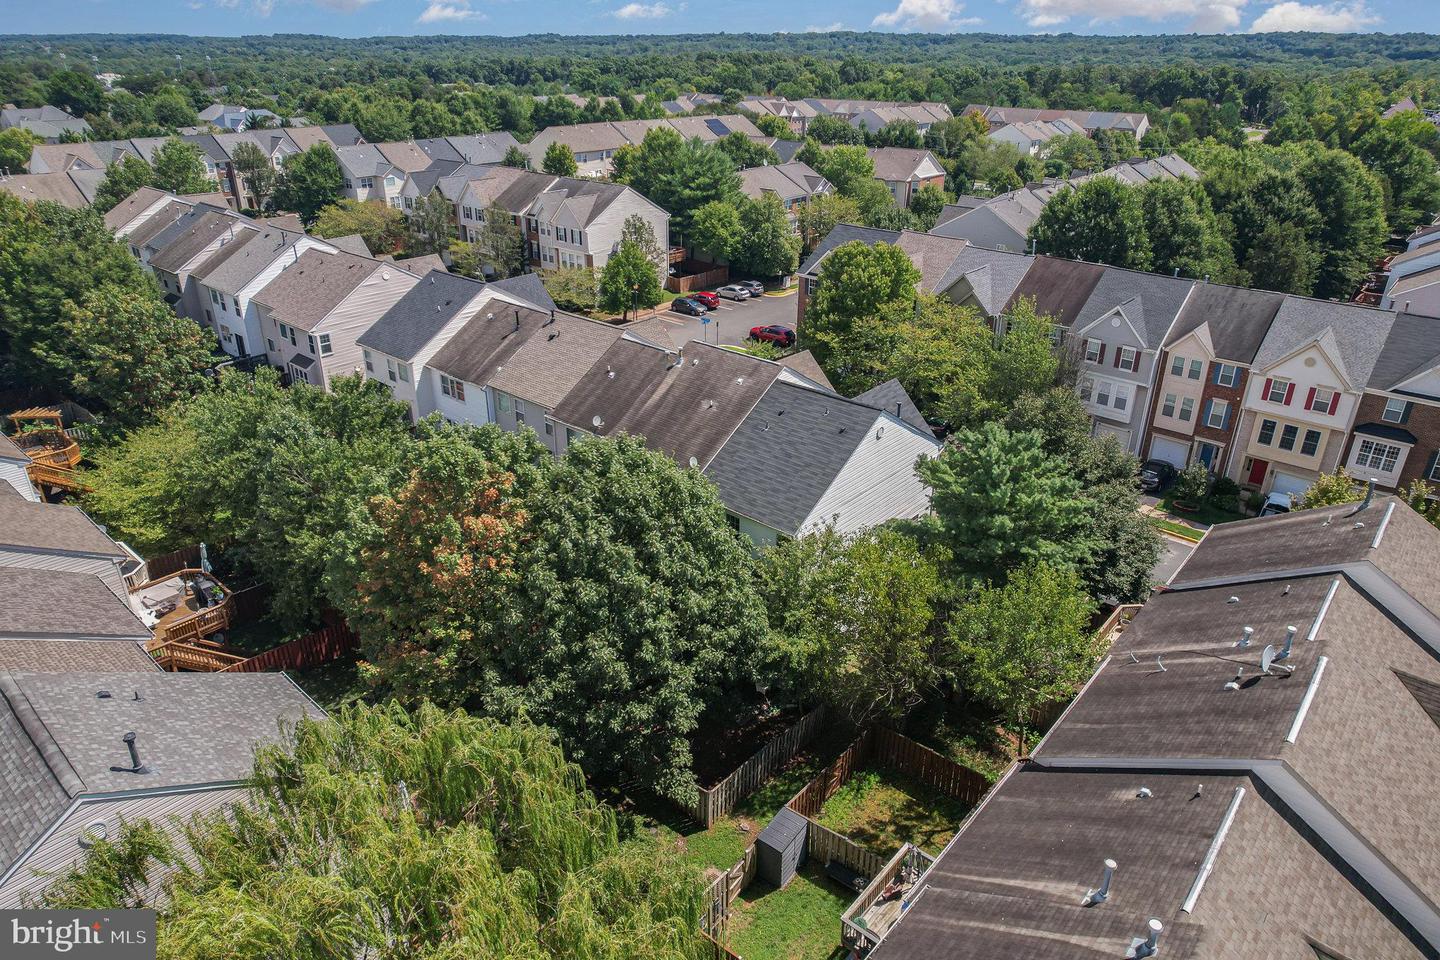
<point x="993" y="275"/>
<point x="40" y="604"/>
<point x="841" y="234"/>
<point x="1358" y="334"/>
<point x="898" y="163"/>
<point x="306" y="291"/>
<point x="529" y="287"/>
<point x="159" y="221"/>
<point x="891" y="396"/>
<point x="1238" y="318"/>
<point x="254" y="250"/>
<point x="131" y="207"/>
<point x="549" y="365"/>
<point x="486" y="343"/>
<point x="53" y="526"/>
<point x="787" y="452"/>
<point x="1151" y="301"/>
<point x="202" y="231"/>
<point x="64" y="741"/>
<point x="74" y="656"/>
<point x="416" y="318"/>
<point x="1411" y="348"/>
<point x="362" y="160"/>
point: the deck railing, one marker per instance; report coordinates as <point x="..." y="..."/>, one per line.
<point x="197" y="625"/>
<point x="175" y="655"/>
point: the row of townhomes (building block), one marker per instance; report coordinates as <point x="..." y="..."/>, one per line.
<point x="787" y="452"/>
<point x="93" y="734"/>
<point x="1248" y="775"/>
<point x="1268" y="389"/>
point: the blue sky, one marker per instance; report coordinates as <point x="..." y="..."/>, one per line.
<point x="509" y="17"/>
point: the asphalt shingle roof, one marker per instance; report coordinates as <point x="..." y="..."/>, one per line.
<point x="25" y="524"/>
<point x="1058" y="287"/>
<point x="42" y="604"/>
<point x="259" y="249"/>
<point x="1151" y="301"/>
<point x="487" y="342"/>
<point x="306" y="291"/>
<point x="1238" y="318"/>
<point x="549" y="364"/>
<point x="416" y="318"/>
<point x="1358" y="334"/>
<point x="1411" y="348"/>
<point x="204" y="230"/>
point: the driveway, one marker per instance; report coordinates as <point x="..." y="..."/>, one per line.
<point x="730" y="324"/>
<point x="1173" y="552"/>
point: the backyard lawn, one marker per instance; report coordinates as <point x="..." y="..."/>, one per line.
<point x="801" y="922"/>
<point x="1207" y="512"/>
<point x="883" y="809"/>
<point x="331" y="684"/>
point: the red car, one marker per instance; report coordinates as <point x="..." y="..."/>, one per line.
<point x="709" y="299"/>
<point x="776" y="334"/>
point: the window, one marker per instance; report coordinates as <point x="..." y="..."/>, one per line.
<point x="1395" y="411"/>
<point x="369" y="363"/>
<point x="1087" y="388"/>
<point x="310" y="341"/>
<point x="270" y="344"/>
<point x="1215" y="418"/>
<point x="1122" y="397"/>
<point x="502" y="401"/>
<point x="1168" y="407"/>
<point x="1102" y="393"/>
<point x="325" y="348"/>
<point x="1187" y="409"/>
<point x="452" y="388"/>
<point x="1287" y="436"/>
<point x="1276" y="390"/>
<point x="348" y="184"/>
<point x="810" y="284"/>
<point x="469" y="214"/>
<point x="1227" y="375"/>
<point x="1266" y="436"/>
<point x="519" y="410"/>
<point x="1323" y="400"/>
<point x="549" y="428"/>
<point x="1311" y="443"/>
<point x="1195" y="367"/>
<point x="297" y="374"/>
<point x="1094" y="351"/>
<point x="390" y="369"/>
<point x="214" y="297"/>
<point x="1177" y="366"/>
<point x="209" y="317"/>
<point x="569" y="436"/>
<point x="1129" y="359"/>
<point x="1378" y="456"/>
<point x="367" y="183"/>
<point x="404" y="369"/>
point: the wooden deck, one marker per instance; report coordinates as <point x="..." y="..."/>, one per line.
<point x="185" y="621"/>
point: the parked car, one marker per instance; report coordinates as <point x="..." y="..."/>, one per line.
<point x="707" y="299"/>
<point x="776" y="334"/>
<point x="734" y="292"/>
<point x="686" y="305"/>
<point x="754" y="286"/>
<point x="1156" y="475"/>
<point x="1277" y="502"/>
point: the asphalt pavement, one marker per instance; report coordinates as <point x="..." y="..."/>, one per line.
<point x="730" y="324"/>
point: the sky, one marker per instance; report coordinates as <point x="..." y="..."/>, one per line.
<point x="360" y="18"/>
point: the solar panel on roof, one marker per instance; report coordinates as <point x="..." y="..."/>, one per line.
<point x="716" y="127"/>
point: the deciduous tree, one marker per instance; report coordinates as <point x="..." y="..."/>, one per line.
<point x="1101" y="220"/>
<point x="629" y="280"/>
<point x="380" y="225"/>
<point x="179" y="168"/>
<point x="559" y="161"/>
<point x="309" y="182"/>
<point x="123" y="178"/>
<point x="257" y="173"/>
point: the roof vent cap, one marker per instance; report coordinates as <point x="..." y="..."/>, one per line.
<point x="1150" y="945"/>
<point x="1101" y="893"/>
<point x="1144" y="793"/>
<point x="1245" y="634"/>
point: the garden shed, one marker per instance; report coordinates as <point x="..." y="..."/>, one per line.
<point x="780" y="848"/>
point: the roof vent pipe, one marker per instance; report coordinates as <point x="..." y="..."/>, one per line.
<point x="1284" y="653"/>
<point x="1150" y="945"/>
<point x="1245" y="636"/>
<point x="898" y="406"/>
<point x="1369" y="496"/>
<point x="135" y="765"/>
<point x="1101" y="893"/>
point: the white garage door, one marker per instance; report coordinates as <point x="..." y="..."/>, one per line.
<point x="1290" y="483"/>
<point x="1119" y="433"/>
<point x="1173" y="452"/>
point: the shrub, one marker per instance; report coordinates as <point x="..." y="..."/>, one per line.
<point x="1192" y="484"/>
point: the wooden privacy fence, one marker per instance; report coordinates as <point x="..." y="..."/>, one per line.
<point x="322" y="646"/>
<point x="714" y="803"/>
<point x="688" y="283"/>
<point x="824" y="845"/>
<point x="250" y="603"/>
<point x="166" y="564"/>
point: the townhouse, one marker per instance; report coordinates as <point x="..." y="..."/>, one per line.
<point x="276" y="145"/>
<point x="74" y="188"/>
<point x="1304" y="390"/>
<point x="1204" y="373"/>
<point x="368" y="175"/>
<point x="229" y="116"/>
<point x="796" y="113"/>
<point x="594" y="144"/>
<point x="15" y="471"/>
<point x="480" y="149"/>
<point x="1115" y="341"/>
<point x="312" y="313"/>
<point x="396" y="349"/>
<point x="50" y="124"/>
<point x="59" y="537"/>
<point x="566" y="221"/>
<point x="229" y="281"/>
<point x="1396" y="437"/>
<point x="1033" y="137"/>
<point x="449" y="178"/>
<point x="1243" y="777"/>
<point x="795" y="183"/>
<point x="178" y="250"/>
<point x="1136" y="124"/>
<point x="1412" y="281"/>
<point x="872" y="117"/>
<point x="905" y="171"/>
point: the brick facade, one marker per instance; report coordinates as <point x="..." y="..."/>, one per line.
<point x="1423" y="422"/>
<point x="1210" y="390"/>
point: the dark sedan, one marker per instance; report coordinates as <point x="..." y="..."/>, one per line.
<point x="685" y="305"/>
<point x="1156" y="475"/>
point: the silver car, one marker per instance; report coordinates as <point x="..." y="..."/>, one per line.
<point x="733" y="292"/>
<point x="755" y="287"/>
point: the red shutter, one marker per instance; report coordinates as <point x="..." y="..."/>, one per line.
<point x="1289" y="393"/>
<point x="1310" y="399"/>
<point x="1118" y="354"/>
<point x="1101" y="358"/>
<point x="1334" y="403"/>
<point x="1265" y="394"/>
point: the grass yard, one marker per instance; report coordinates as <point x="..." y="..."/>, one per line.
<point x="801" y="922"/>
<point x="1178" y="529"/>
<point x="1207" y="512"/>
<point x="883" y="809"/>
<point x="331" y="684"/>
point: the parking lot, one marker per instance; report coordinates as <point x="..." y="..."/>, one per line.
<point x="731" y="322"/>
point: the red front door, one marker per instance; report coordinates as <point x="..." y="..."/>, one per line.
<point x="1257" y="472"/>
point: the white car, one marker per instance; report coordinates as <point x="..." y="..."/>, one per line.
<point x="1277" y="503"/>
<point x="733" y="292"/>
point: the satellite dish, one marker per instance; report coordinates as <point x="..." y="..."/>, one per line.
<point x="1267" y="658"/>
<point x="597" y="422"/>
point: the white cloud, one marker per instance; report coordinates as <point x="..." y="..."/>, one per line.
<point x="1320" y="18"/>
<point x="343" y="6"/>
<point x="642" y="11"/>
<point x="440" y="12"/>
<point x="829" y="28"/>
<point x="925" y="15"/>
<point x="1202" y="16"/>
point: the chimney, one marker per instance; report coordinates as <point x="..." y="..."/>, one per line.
<point x="1246" y="633"/>
<point x="1150" y="945"/>
<point x="1101" y="893"/>
<point x="1284" y="653"/>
